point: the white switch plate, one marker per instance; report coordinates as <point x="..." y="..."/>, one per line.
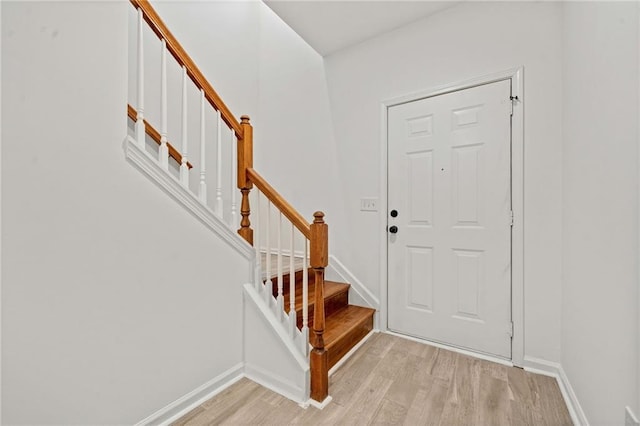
<point x="630" y="419"/>
<point x="369" y="204"/>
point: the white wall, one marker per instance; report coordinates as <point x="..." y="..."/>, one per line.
<point x="600" y="207"/>
<point x="220" y="36"/>
<point x="1" y="316"/>
<point x="260" y="67"/>
<point x="294" y="145"/>
<point x="113" y="295"/>
<point x="270" y="359"/>
<point x="463" y="42"/>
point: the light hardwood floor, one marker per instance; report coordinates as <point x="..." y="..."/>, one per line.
<point x="391" y="380"/>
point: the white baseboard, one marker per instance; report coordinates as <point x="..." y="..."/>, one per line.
<point x="555" y="370"/>
<point x="188" y="402"/>
<point x="320" y="405"/>
<point x="285" y="388"/>
<point x="575" y="409"/>
<point x="453" y="349"/>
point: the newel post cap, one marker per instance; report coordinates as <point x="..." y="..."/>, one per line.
<point x="245" y="119"/>
<point x="318" y="217"/>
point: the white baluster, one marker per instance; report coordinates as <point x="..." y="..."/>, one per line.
<point x="140" y="130"/>
<point x="292" y="272"/>
<point x="202" y="190"/>
<point x="258" y="227"/>
<point x="234" y="174"/>
<point x="267" y="228"/>
<point x="163" y="152"/>
<point x="256" y="242"/>
<point x="305" y="287"/>
<point x="218" y="208"/>
<point x="292" y="284"/>
<point x="280" y="298"/>
<point x="184" y="168"/>
<point x="305" y="301"/>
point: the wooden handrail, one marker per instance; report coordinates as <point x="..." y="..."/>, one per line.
<point x="278" y="200"/>
<point x="317" y="232"/>
<point x="160" y="29"/>
<point x="155" y="135"/>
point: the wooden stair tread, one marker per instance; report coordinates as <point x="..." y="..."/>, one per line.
<point x="343" y="321"/>
<point x="344" y="329"/>
<point x="286" y="278"/>
<point x="345" y="325"/>
<point x="331" y="289"/>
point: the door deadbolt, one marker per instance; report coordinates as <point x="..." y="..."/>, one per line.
<point x="394" y="213"/>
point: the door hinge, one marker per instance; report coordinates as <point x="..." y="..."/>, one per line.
<point x="514" y="99"/>
<point x="510" y="329"/>
<point x="511" y="218"/>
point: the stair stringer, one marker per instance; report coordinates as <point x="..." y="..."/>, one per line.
<point x="150" y="167"/>
<point x="272" y="352"/>
<point x="359" y="294"/>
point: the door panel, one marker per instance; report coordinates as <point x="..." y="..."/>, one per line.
<point x="420" y="188"/>
<point x="420" y="278"/>
<point x="449" y="177"/>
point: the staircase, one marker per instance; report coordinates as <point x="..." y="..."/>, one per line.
<point x="313" y="316"/>
<point x="345" y="324"/>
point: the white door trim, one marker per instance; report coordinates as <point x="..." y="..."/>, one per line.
<point x="517" y="196"/>
<point x="638" y="307"/>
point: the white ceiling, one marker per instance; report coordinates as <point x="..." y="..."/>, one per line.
<point x="329" y="26"/>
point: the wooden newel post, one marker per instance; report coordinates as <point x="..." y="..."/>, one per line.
<point x="319" y="241"/>
<point x="245" y="161"/>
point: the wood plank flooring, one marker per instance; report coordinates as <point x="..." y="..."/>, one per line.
<point x="394" y="381"/>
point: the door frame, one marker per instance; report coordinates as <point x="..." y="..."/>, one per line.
<point x="516" y="75"/>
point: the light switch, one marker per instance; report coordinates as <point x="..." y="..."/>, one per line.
<point x="369" y="204"/>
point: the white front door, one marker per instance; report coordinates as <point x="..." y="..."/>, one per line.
<point x="449" y="194"/>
